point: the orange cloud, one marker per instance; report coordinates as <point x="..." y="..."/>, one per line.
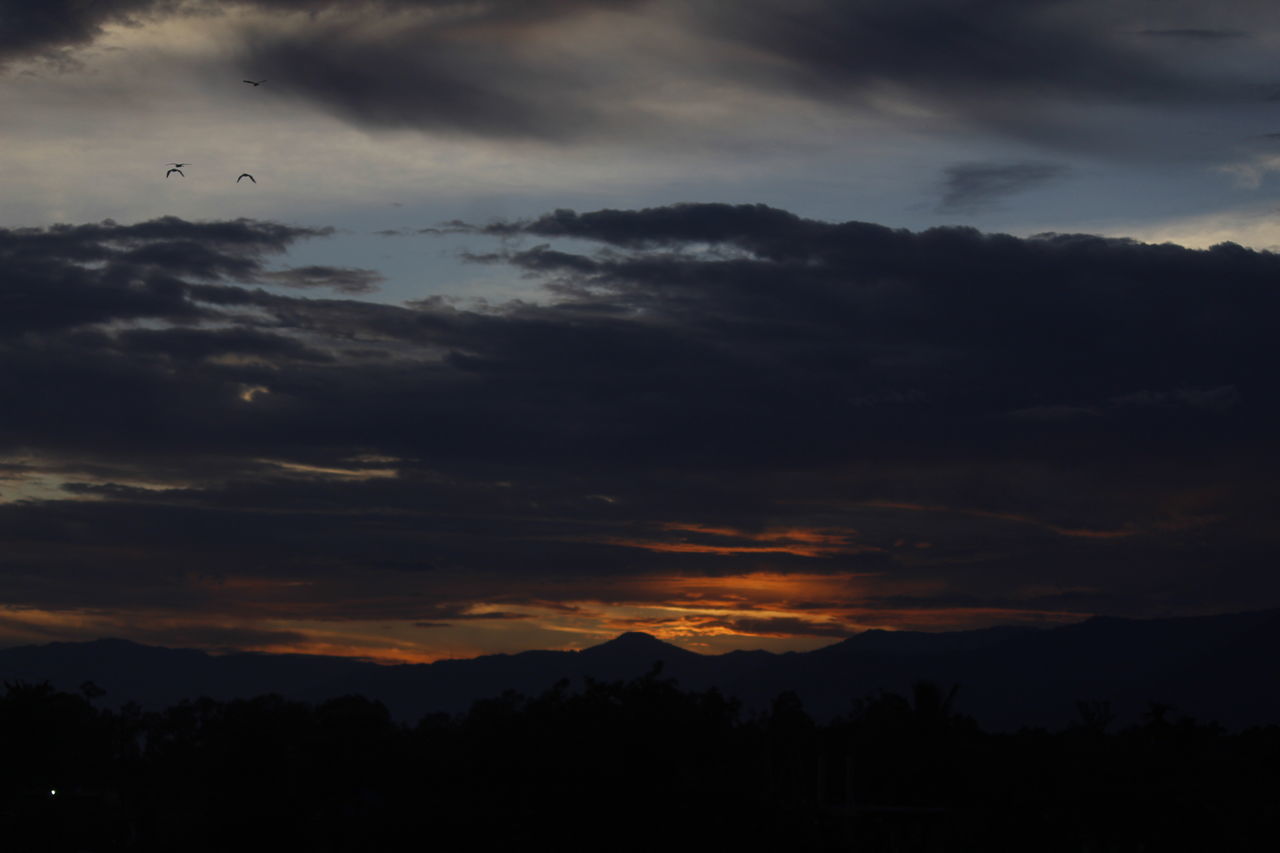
<point x="790" y="611"/>
<point x="796" y="541"/>
<point x="375" y="653"/>
<point x="758" y="588"/>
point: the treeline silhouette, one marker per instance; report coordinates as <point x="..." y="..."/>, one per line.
<point x="633" y="765"/>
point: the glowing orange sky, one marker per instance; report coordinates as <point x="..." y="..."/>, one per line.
<point x="761" y="609"/>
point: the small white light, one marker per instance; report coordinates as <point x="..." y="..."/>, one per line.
<point x="53" y="792"/>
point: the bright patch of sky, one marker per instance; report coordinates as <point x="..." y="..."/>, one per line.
<point x="89" y="140"/>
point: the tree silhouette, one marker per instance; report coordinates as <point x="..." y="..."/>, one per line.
<point x="620" y="763"/>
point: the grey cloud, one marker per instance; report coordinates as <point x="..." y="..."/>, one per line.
<point x="477" y="70"/>
<point x="518" y="70"/>
<point x="645" y="330"/>
<point x="1197" y="34"/>
<point x="969" y="187"/>
<point x="65" y="276"/>
<point x="369" y="83"/>
<point x="705" y="363"/>
<point x="446" y="65"/>
<point x="344" y="279"/>
<point x="485" y="71"/>
<point x="742" y="224"/>
<point x="44" y="27"/>
<point x="33" y="27"/>
<point x="1020" y="68"/>
<point x="187" y="344"/>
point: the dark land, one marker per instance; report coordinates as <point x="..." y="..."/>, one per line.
<point x="1223" y="668"/>
<point x="917" y="755"/>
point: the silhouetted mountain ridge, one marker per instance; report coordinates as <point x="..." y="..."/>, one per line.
<point x="635" y="645"/>
<point x="923" y="642"/>
<point x="1213" y="667"/>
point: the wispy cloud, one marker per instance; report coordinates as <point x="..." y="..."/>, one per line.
<point x="970" y="187"/>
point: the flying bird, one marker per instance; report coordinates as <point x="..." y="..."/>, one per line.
<point x="177" y="165"/>
<point x="255" y="82"/>
<point x="247" y="175"/>
<point x="171" y="171"/>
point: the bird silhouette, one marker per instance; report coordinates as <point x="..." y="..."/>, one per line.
<point x="177" y="165"/>
<point x="247" y="175"/>
<point x="255" y="82"/>
<point x="171" y="171"/>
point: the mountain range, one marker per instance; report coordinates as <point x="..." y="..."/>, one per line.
<point x="1224" y="668"/>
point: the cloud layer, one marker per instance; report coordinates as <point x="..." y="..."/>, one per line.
<point x="726" y="420"/>
<point x="559" y="69"/>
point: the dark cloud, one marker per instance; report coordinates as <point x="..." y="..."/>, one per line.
<point x="1197" y="34"/>
<point x="214" y="637"/>
<point x="476" y="68"/>
<point x="343" y="279"/>
<point x="664" y="226"/>
<point x="1000" y="46"/>
<point x="34" y="27"/>
<point x="545" y="70"/>
<point x="784" y="627"/>
<point x="44" y="27"/>
<point x="496" y="70"/>
<point x="713" y="390"/>
<point x="192" y="345"/>
<point x="67" y="276"/>
<point x="461" y="613"/>
<point x="1219" y="399"/>
<point x="1020" y="68"/>
<point x="972" y="186"/>
<point x="423" y="78"/>
<point x="190" y="634"/>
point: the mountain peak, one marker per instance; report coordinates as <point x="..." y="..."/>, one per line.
<point x="635" y="637"/>
<point x="635" y="643"/>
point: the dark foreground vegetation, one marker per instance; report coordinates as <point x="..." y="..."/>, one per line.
<point x="628" y="766"/>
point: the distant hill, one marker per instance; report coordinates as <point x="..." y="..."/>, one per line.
<point x="1224" y="668"/>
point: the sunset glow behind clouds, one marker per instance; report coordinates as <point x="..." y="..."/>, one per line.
<point x="747" y="324"/>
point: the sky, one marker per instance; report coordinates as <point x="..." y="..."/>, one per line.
<point x="745" y="323"/>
